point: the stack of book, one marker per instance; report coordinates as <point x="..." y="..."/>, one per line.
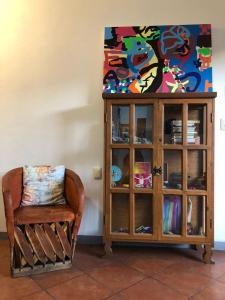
<point x="176" y="132"/>
<point x="172" y="215"/>
<point x="192" y="132"/>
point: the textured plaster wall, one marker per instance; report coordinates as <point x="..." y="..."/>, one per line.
<point x="51" y="59"/>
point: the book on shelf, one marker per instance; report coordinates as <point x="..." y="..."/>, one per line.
<point x="142" y="175"/>
<point x="172" y="215"/>
<point x="192" y="132"/>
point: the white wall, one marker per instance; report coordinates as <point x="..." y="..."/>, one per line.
<point x="51" y="59"/>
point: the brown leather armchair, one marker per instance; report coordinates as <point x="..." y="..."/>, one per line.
<point x="42" y="238"/>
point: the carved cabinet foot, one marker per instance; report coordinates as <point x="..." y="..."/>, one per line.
<point x="108" y="249"/>
<point x="207" y="255"/>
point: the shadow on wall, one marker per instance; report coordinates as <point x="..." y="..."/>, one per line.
<point x="83" y="149"/>
<point x="76" y="139"/>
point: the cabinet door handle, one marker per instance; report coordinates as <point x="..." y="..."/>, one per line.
<point x="157" y="171"/>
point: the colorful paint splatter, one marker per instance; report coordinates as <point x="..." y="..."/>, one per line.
<point x="154" y="59"/>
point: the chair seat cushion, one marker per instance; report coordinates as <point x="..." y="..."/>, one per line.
<point x="43" y="214"/>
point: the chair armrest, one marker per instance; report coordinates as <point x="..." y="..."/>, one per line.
<point x="9" y="215"/>
<point x="74" y="193"/>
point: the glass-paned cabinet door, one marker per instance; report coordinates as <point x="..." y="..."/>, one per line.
<point x="196" y="215"/>
<point x="143" y="214"/>
<point x="172" y="169"/>
<point x="120" y="177"/>
<point x="120" y="213"/>
<point x="172" y="215"/>
<point x="143" y="124"/>
<point x="120" y="124"/>
<point x="196" y="124"/>
<point x="173" y="124"/>
<point x="197" y="170"/>
<point x="143" y="168"/>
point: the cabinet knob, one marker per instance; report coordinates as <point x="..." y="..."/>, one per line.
<point x="157" y="171"/>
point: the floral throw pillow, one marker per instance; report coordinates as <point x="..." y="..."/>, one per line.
<point x="43" y="185"/>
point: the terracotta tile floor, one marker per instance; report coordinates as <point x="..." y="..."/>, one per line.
<point x="131" y="273"/>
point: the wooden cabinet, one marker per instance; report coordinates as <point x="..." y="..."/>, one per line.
<point x="159" y="169"/>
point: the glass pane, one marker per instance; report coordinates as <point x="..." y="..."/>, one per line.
<point x="143" y="124"/>
<point x="196" y="215"/>
<point x="172" y="214"/>
<point x="197" y="169"/>
<point x="120" y="168"/>
<point x="120" y="124"/>
<point x="173" y="124"/>
<point x="120" y="213"/>
<point x="143" y="213"/>
<point x="196" y="127"/>
<point x="172" y="169"/>
<point x="143" y="168"/>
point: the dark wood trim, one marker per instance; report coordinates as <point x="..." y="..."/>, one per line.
<point x="160" y="96"/>
<point x="3" y="236"/>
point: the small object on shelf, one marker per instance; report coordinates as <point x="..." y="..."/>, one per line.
<point x="166" y="184"/>
<point x="143" y="229"/>
<point x="120" y="140"/>
<point x="123" y="230"/>
<point x="125" y="185"/>
<point x="142" y="175"/>
<point x="189" y="209"/>
<point x="175" y="180"/>
<point x="116" y="174"/>
<point x="189" y="229"/>
<point x="198" y="183"/>
<point x="140" y="140"/>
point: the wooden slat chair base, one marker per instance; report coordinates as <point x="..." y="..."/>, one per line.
<point x="42" y="239"/>
<point x="42" y="248"/>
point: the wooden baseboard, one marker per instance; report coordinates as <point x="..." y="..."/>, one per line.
<point x="98" y="240"/>
<point x="82" y="239"/>
<point x="3" y="236"/>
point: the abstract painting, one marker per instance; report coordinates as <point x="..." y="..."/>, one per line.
<point x="158" y="59"/>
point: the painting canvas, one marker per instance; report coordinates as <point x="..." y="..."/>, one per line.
<point x="158" y="59"/>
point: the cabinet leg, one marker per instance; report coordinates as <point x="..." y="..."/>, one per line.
<point x="196" y="247"/>
<point x="108" y="249"/>
<point x="207" y="255"/>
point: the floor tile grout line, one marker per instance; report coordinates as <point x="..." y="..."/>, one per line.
<point x="158" y="272"/>
<point x="30" y="294"/>
<point x="64" y="281"/>
<point x="208" y="276"/>
<point x="106" y="286"/>
<point x="190" y="269"/>
<point x="198" y="291"/>
<point x="121" y="290"/>
<point x="169" y="286"/>
<point x="133" y="268"/>
<point x="50" y="295"/>
<point x="61" y="282"/>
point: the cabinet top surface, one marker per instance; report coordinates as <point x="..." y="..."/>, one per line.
<point x="202" y="95"/>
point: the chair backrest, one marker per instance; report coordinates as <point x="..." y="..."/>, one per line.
<point x="12" y="182"/>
